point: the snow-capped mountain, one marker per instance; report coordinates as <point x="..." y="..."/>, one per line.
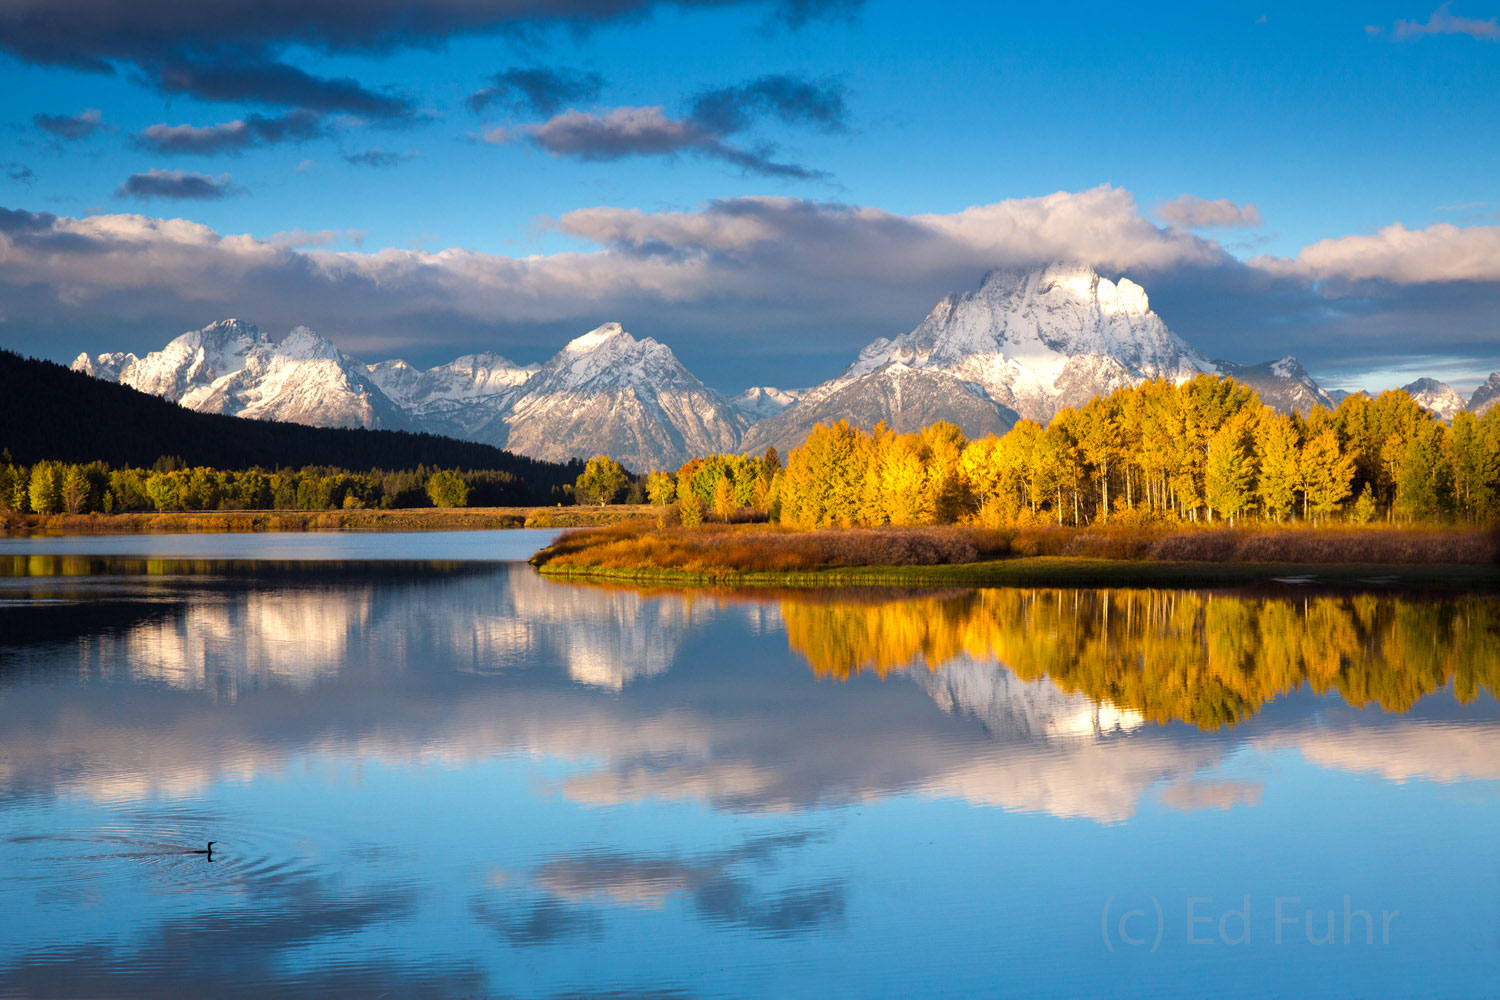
<point x="455" y="399"/>
<point x="1485" y="396"/>
<point x="1037" y="341"/>
<point x="761" y="401"/>
<point x="609" y="392"/>
<point x="231" y="367"/>
<point x="1439" y="397"/>
<point x="191" y="361"/>
<point x="1025" y="344"/>
<point x="1283" y="385"/>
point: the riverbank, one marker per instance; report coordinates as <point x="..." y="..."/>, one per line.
<point x="768" y="556"/>
<point x="408" y="519"/>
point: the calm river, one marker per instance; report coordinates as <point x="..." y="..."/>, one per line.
<point x="430" y="772"/>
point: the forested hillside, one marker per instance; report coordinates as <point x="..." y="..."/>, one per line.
<point x="50" y="413"/>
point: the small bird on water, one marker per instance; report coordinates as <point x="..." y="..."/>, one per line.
<point x="208" y="851"/>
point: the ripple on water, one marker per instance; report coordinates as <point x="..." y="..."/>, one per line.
<point x="163" y="850"/>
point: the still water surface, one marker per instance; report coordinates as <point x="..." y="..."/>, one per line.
<point x="437" y="777"/>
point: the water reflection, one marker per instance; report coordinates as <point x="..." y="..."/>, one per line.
<point x="421" y="772"/>
<point x="1209" y="659"/>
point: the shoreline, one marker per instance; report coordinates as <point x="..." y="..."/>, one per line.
<point x="1067" y="572"/>
<point x="758" y="555"/>
<point x="257" y="521"/>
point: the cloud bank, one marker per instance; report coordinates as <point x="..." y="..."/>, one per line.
<point x="714" y="116"/>
<point x="796" y="283"/>
<point x="232" y="50"/>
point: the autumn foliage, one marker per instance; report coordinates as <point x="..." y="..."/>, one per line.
<point x="1201" y="452"/>
<point x="1210" y="660"/>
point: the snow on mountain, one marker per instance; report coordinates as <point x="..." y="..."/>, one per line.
<point x="1024" y="344"/>
<point x="457" y="398"/>
<point x="191" y="361"/>
<point x="607" y="392"/>
<point x="1485" y="396"/>
<point x="1283" y="385"/>
<point x="104" y="366"/>
<point x="231" y="367"/>
<point x="1037" y="341"/>
<point x="1439" y="397"/>
<point x="761" y="401"/>
<point x="907" y="399"/>
<point x="1028" y="343"/>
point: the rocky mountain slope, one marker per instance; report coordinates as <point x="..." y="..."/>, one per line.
<point x="907" y="399"/>
<point x="1283" y="385"/>
<point x="457" y="398"/>
<point x="1486" y="396"/>
<point x="1436" y="396"/>
<point x="609" y="392"/>
<point x="761" y="401"/>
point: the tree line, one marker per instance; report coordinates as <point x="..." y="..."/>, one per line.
<point x="1202" y="451"/>
<point x="96" y="488"/>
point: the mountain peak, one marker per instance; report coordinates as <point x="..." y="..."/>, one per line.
<point x="1486" y="396"/>
<point x="597" y="337"/>
<point x="302" y="344"/>
<point x="1439" y="397"/>
<point x="1036" y="340"/>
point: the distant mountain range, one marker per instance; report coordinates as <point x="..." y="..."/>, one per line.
<point x="1024" y="345"/>
<point x="50" y="413"/>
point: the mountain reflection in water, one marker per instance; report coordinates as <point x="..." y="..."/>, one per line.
<point x="423" y="772"/>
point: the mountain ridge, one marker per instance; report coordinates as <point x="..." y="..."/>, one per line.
<point x="1022" y="345"/>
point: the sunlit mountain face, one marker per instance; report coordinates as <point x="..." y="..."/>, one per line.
<point x="459" y="778"/>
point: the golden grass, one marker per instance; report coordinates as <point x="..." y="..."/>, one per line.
<point x="640" y="547"/>
<point x="746" y="548"/>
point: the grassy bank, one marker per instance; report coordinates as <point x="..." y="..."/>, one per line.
<point x="765" y="555"/>
<point x="411" y="519"/>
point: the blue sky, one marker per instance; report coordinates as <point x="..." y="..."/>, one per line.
<point x="1333" y="124"/>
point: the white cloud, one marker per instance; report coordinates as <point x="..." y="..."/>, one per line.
<point x="1441" y="253"/>
<point x="1190" y="212"/>
<point x="771" y="277"/>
